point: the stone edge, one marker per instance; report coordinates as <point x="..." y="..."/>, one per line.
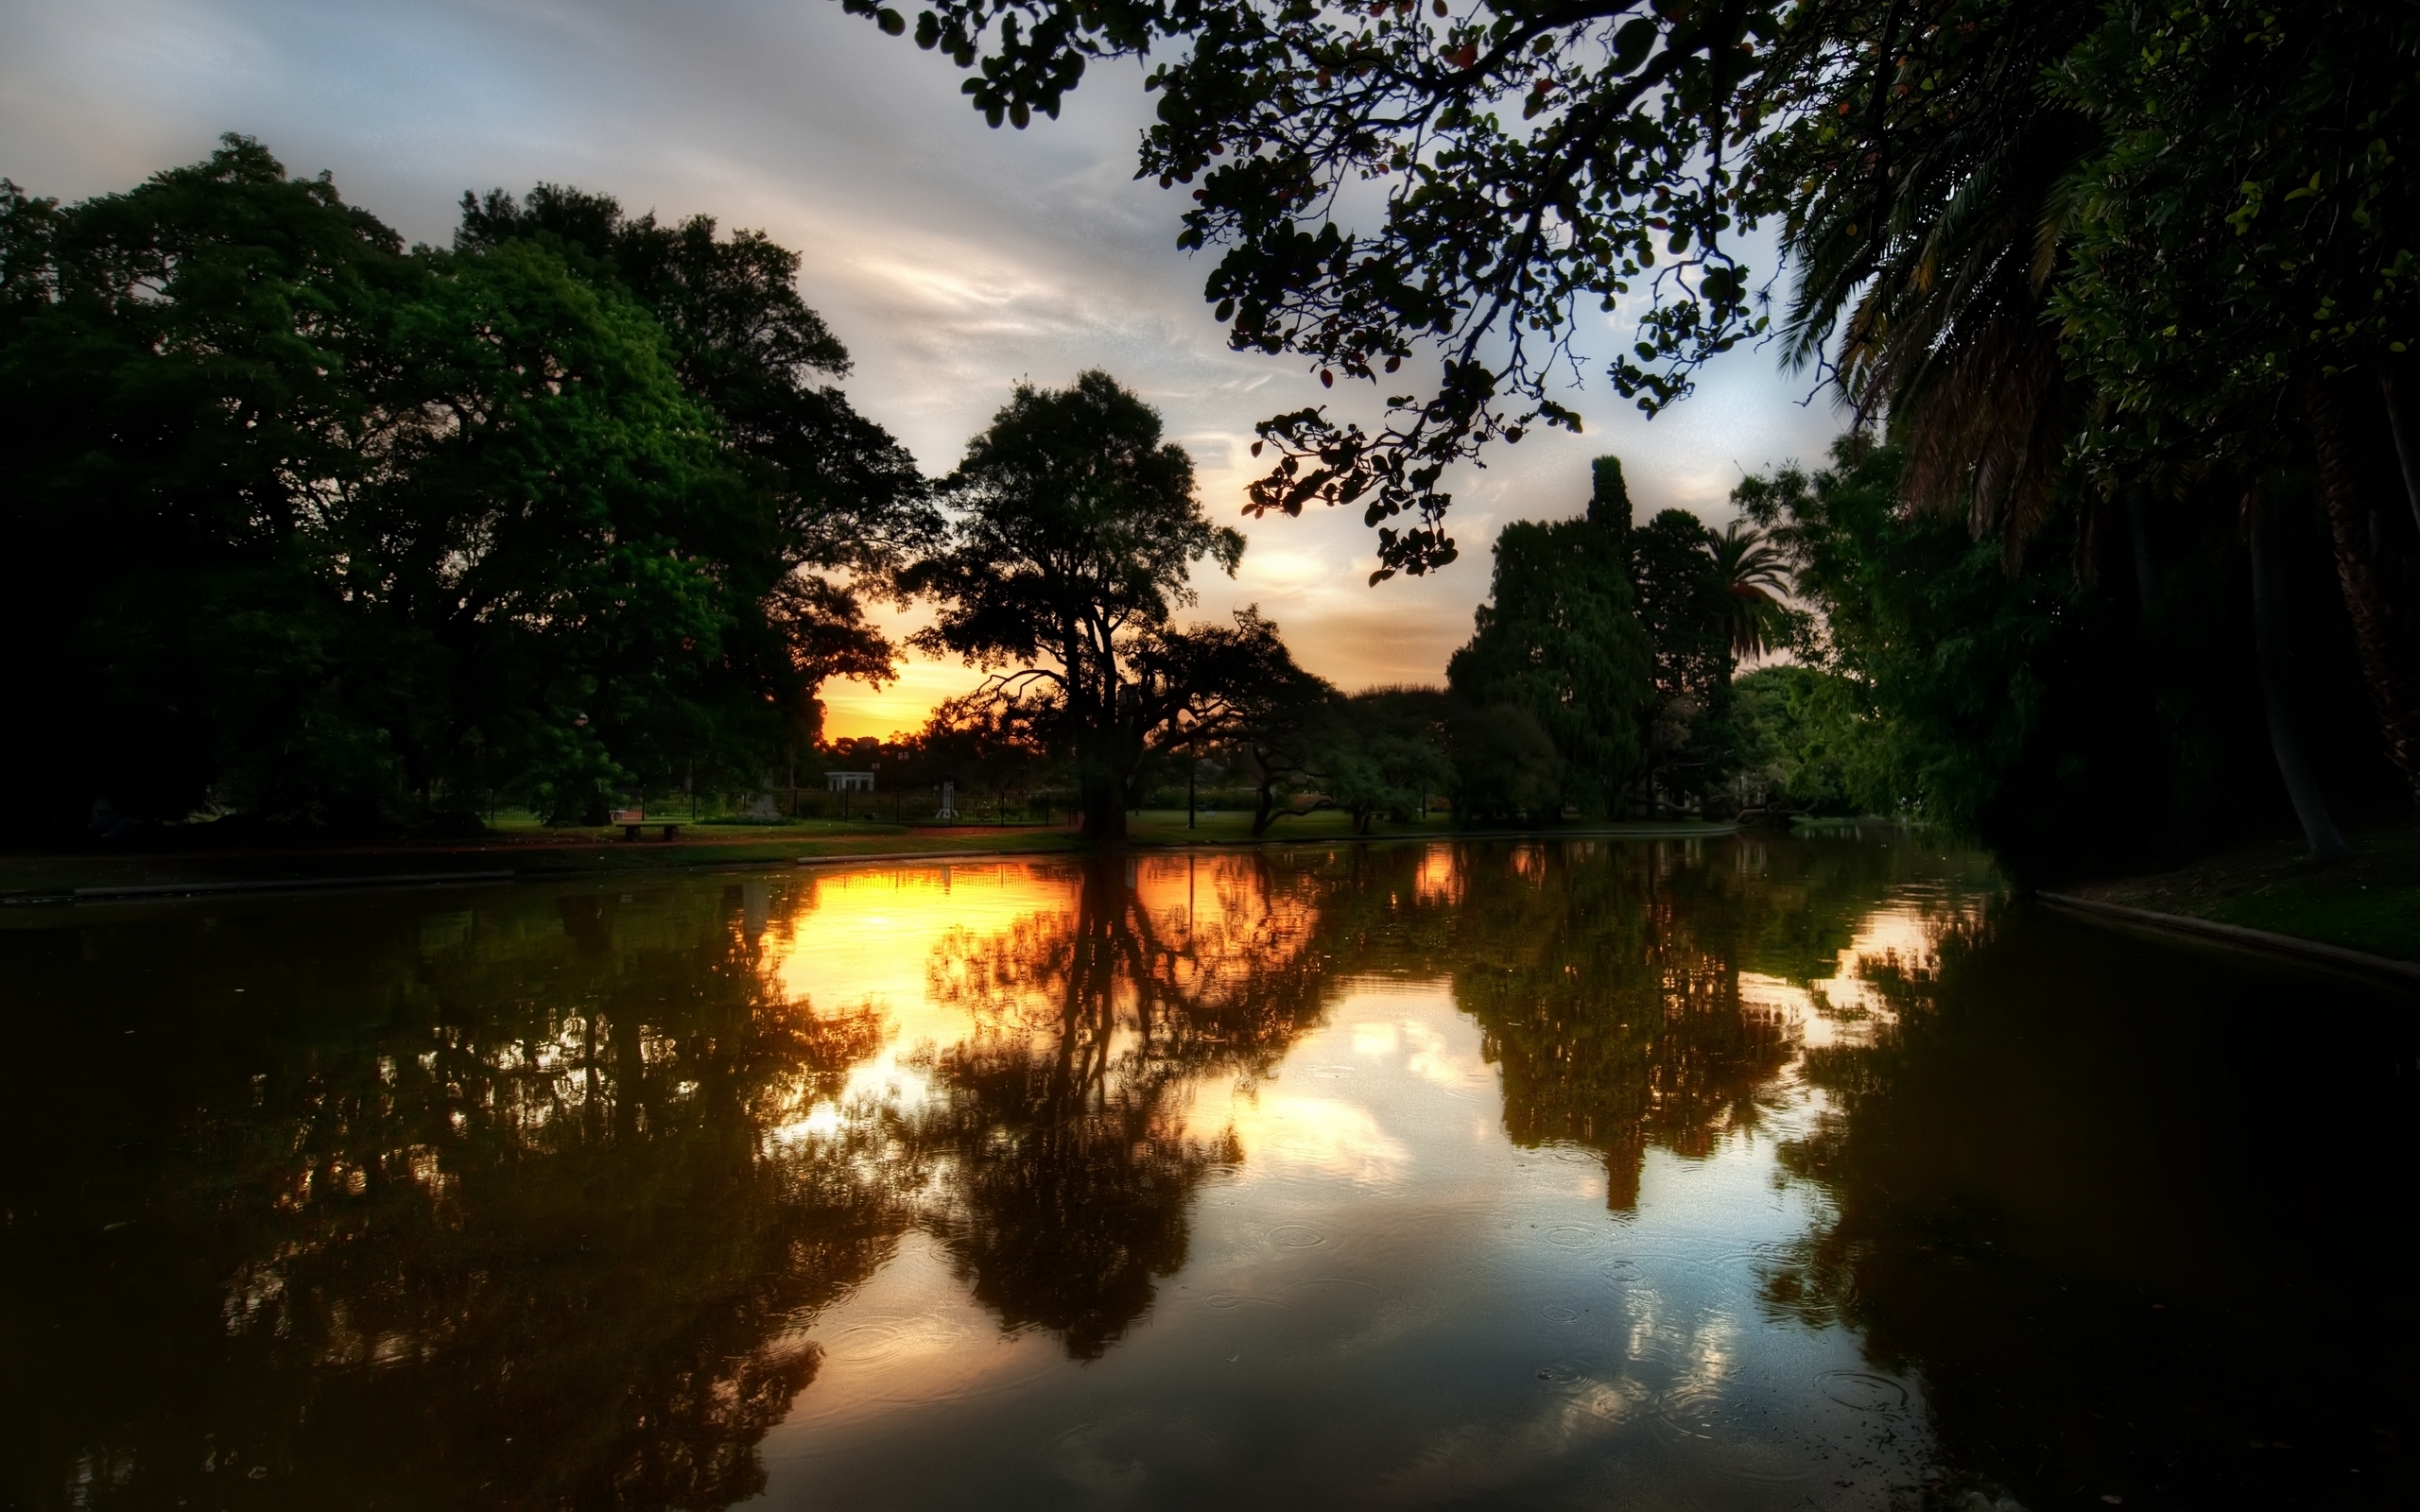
<point x="2402" y="974"/>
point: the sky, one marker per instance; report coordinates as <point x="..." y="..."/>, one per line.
<point x="953" y="260"/>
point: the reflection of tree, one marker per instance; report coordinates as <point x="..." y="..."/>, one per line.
<point x="1062" y="1118"/>
<point x="1605" y="992"/>
<point x="533" y="1205"/>
<point x="1605" y="978"/>
<point x="2114" y="1214"/>
<point x="442" y="1209"/>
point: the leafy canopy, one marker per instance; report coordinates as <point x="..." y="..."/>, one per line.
<point x="1388" y="178"/>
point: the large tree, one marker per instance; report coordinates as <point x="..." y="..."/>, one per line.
<point x="1560" y="638"/>
<point x="342" y="533"/>
<point x="184" y="373"/>
<point x="853" y="506"/>
<point x="1074" y="529"/>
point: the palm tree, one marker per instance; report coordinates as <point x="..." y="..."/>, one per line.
<point x="1925" y="231"/>
<point x="1754" y="574"/>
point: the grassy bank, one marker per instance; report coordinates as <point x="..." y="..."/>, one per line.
<point x="2369" y="902"/>
<point x="527" y="849"/>
<point x="526" y="852"/>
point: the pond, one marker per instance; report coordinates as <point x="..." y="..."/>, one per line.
<point x="1749" y="1173"/>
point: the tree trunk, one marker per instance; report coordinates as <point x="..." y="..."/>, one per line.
<point x="2273" y="653"/>
<point x="2374" y="583"/>
<point x="2138" y="535"/>
<point x="1103" y="800"/>
<point x="2407" y="446"/>
<point x="1264" y="812"/>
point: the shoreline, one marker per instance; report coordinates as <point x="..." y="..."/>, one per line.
<point x="573" y="859"/>
<point x="2294" y="948"/>
<point x="2272" y="896"/>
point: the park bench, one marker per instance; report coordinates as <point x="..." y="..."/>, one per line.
<point x="633" y="821"/>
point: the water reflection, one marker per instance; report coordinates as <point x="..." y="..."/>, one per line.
<point x="2137" y="1218"/>
<point x="1760" y="1173"/>
<point x="1061" y="1114"/>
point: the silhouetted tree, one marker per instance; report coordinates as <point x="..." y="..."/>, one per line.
<point x="1073" y="532"/>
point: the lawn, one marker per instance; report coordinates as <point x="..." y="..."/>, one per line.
<point x="2368" y="903"/>
<point x="518" y="844"/>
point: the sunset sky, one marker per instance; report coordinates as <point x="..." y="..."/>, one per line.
<point x="952" y="259"/>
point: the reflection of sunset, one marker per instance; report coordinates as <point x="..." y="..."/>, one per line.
<point x="1845" y="1008"/>
<point x="866" y="937"/>
<point x="909" y="1137"/>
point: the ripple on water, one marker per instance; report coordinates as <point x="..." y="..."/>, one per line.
<point x="1620" y="1270"/>
<point x="867" y="1343"/>
<point x="1560" y="1374"/>
<point x="1110" y="1449"/>
<point x="1351" y="1283"/>
<point x="1223" y="1301"/>
<point x="1753" y="1260"/>
<point x="1571" y="1236"/>
<point x="876" y="1340"/>
<point x="1865" y="1392"/>
<point x="1559" y="1313"/>
<point x="1296" y="1236"/>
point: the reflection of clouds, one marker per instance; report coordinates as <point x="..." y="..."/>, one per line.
<point x="1321" y="1134"/>
<point x="1848" y="1008"/>
<point x="1413" y="1043"/>
<point x="909" y="1334"/>
<point x="1374" y="1040"/>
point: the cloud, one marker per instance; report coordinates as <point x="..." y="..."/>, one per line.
<point x="952" y="259"/>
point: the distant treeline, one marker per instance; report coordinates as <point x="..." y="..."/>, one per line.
<point x="317" y="532"/>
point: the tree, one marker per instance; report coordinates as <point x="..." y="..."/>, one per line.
<point x="350" y="536"/>
<point x="562" y="518"/>
<point x="1622" y="177"/>
<point x="1559" y="638"/>
<point x="184" y="374"/>
<point x="853" y="506"/>
<point x="1686" y="606"/>
<point x="1811" y="742"/>
<point x="1506" y="767"/>
<point x="1754" y="575"/>
<point x="1387" y="752"/>
<point x="2245" y="241"/>
<point x="1919" y="168"/>
<point x="1073" y="531"/>
<point x="1992" y="700"/>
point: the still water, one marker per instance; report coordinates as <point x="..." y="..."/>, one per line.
<point x="1744" y="1174"/>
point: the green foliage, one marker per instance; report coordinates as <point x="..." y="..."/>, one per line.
<point x="180" y="371"/>
<point x="2032" y="710"/>
<point x="346" y="535"/>
<point x="1506" y="767"/>
<point x="1073" y="532"/>
<point x="1958" y="660"/>
<point x="1809" y="743"/>
<point x="1387" y="752"/>
<point x="1686" y="606"/>
<point x="1558" y="639"/>
<point x="2249" y="216"/>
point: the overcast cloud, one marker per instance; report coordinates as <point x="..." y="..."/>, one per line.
<point x="952" y="259"/>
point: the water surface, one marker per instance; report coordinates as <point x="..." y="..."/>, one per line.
<point x="1760" y="1172"/>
